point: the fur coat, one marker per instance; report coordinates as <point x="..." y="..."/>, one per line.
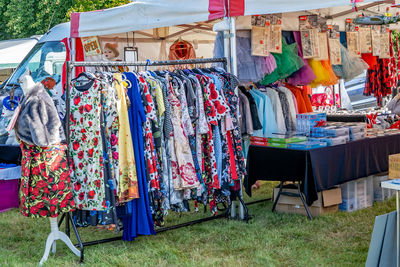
<point x="38" y="122"/>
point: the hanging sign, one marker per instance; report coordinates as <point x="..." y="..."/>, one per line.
<point x="376" y="40"/>
<point x="365" y="39"/>
<point x="334" y="45"/>
<point x="323" y="46"/>
<point x="334" y="51"/>
<point x="309" y="36"/>
<point x="259" y="20"/>
<point x="385" y="42"/>
<point x="353" y="40"/>
<point x="275" y="40"/>
<point x="91" y="46"/>
<point x="259" y="41"/>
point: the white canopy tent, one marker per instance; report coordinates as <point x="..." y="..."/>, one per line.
<point x="12" y="52"/>
<point x="148" y="14"/>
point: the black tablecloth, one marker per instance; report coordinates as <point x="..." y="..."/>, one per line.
<point x="10" y="154"/>
<point x="347" y="118"/>
<point x="323" y="168"/>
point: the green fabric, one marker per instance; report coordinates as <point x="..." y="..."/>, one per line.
<point x="287" y="63"/>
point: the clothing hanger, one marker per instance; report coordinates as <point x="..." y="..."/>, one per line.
<point x="83" y="75"/>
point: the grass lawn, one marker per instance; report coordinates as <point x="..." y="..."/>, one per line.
<point x="269" y="239"/>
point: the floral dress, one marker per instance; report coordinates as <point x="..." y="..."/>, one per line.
<point x="86" y="148"/>
<point x="46" y="189"/>
<point x="111" y="130"/>
<point x="151" y="116"/>
<point x="128" y="185"/>
<point x="183" y="170"/>
<point x="209" y="162"/>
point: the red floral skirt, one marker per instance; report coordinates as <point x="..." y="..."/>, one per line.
<point x="46" y="189"/>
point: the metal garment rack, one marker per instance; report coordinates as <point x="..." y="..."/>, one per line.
<point x="68" y="217"/>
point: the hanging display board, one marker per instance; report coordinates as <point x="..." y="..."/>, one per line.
<point x="365" y="39"/>
<point x="353" y="40"/>
<point x="275" y="44"/>
<point x="376" y="40"/>
<point x="260" y="35"/>
<point x="323" y="46"/>
<point x="259" y="41"/>
<point x="91" y="46"/>
<point x="334" y="45"/>
<point x="310" y="28"/>
<point x="385" y="42"/>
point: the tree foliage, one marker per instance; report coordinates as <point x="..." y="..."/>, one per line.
<point x="24" y="18"/>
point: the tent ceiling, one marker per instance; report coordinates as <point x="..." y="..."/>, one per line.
<point x="149" y="14"/>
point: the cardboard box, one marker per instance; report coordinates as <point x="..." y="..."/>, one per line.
<point x="278" y="145"/>
<point x="327" y="202"/>
<point x="258" y="143"/>
<point x="394" y="166"/>
<point x="258" y="139"/>
<point x="286" y="139"/>
<point x="307" y="145"/>
<point x="315" y="211"/>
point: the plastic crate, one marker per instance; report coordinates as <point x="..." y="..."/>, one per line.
<point x="357" y="194"/>
<point x="9" y="194"/>
<point x="382" y="194"/>
<point x="9" y="187"/>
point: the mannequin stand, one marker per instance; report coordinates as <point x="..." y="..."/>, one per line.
<point x="56" y="234"/>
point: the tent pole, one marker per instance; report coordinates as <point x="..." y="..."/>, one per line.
<point x="226" y="46"/>
<point x="233" y="70"/>
<point x="232" y="36"/>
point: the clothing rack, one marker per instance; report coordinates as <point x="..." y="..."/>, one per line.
<point x="69" y="68"/>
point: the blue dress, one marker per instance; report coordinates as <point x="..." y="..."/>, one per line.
<point x="138" y="219"/>
<point x="260" y="109"/>
<point x="268" y="120"/>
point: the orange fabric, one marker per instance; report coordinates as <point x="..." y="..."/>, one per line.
<point x="299" y="98"/>
<point x="307" y="101"/>
<point x="370" y="59"/>
<point x="181" y="50"/>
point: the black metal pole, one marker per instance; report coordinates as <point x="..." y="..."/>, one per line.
<point x="144" y="63"/>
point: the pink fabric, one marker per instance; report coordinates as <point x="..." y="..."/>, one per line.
<point x="75" y="24"/>
<point x="216" y="9"/>
<point x="236" y="7"/>
<point x="305" y="75"/>
<point x="9" y="194"/>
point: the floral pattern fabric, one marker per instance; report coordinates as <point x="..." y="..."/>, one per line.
<point x="149" y="151"/>
<point x="86" y="149"/>
<point x="46" y="189"/>
<point x="128" y="186"/>
<point x="112" y="130"/>
<point x="183" y="170"/>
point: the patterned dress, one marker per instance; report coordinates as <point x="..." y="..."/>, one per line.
<point x="151" y="116"/>
<point x="46" y="189"/>
<point x="86" y="148"/>
<point x="183" y="170"/>
<point x="128" y="186"/>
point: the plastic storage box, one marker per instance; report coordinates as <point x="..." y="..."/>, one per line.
<point x="381" y="194"/>
<point x="357" y="194"/>
<point x="9" y="187"/>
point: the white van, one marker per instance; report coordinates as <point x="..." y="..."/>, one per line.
<point x="46" y="59"/>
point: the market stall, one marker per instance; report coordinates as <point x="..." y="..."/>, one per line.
<point x="198" y="121"/>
